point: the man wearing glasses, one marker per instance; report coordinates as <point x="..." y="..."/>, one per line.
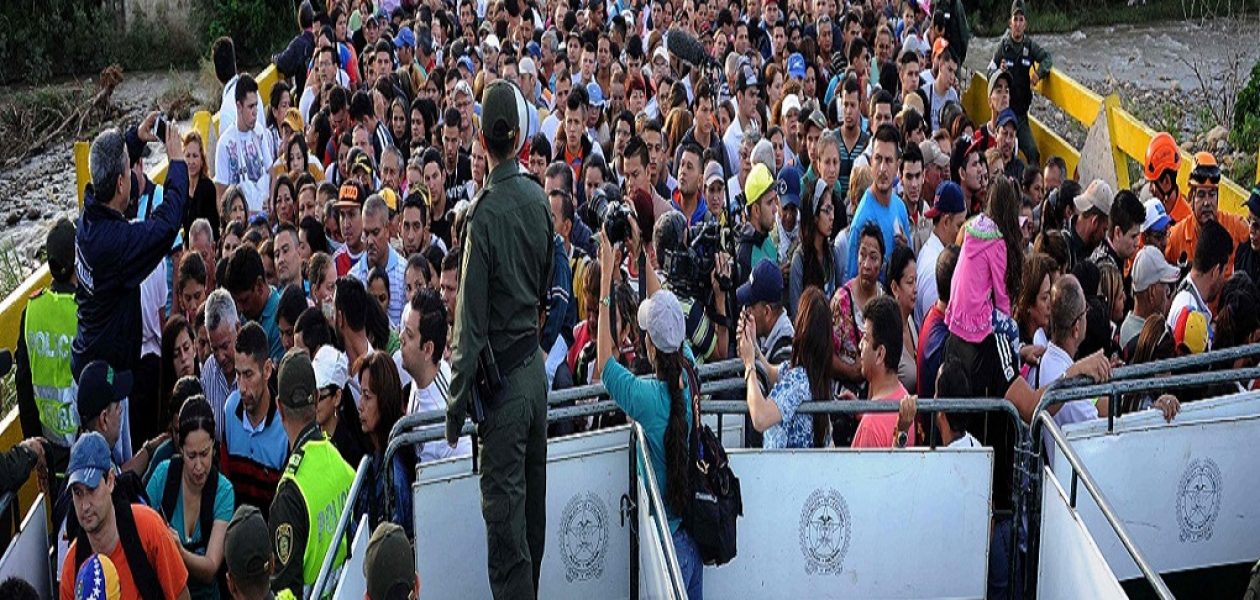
<point x="1204" y="192"/>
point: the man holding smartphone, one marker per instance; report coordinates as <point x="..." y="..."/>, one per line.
<point x="115" y="255"/>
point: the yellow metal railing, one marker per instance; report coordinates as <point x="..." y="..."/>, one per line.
<point x="12" y="306"/>
<point x="1129" y="136"/>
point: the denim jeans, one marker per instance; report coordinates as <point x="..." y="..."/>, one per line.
<point x="689" y="564"/>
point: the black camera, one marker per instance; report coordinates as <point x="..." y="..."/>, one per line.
<point x="616" y="219"/>
<point x="689" y="269"/>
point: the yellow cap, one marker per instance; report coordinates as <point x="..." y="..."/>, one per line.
<point x="758" y="183"/>
<point x="390" y="198"/>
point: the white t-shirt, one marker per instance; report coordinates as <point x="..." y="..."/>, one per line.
<point x="436" y="397"/>
<point x="244" y="158"/>
<point x="925" y="265"/>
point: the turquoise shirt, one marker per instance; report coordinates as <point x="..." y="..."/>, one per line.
<point x="224" y="505"/>
<point x="647" y="401"/>
<point x="267" y="320"/>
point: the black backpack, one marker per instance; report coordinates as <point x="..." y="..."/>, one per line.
<point x="715" y="502"/>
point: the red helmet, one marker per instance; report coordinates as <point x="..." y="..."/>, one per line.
<point x="1162" y="154"/>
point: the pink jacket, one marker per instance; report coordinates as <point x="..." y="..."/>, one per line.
<point x="979" y="283"/>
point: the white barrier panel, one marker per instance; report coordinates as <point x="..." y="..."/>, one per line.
<point x="653" y="569"/>
<point x="1244" y="404"/>
<point x="1069" y="566"/>
<point x="1185" y="491"/>
<point x="353" y="585"/>
<point x="588" y="547"/>
<point x="27" y="555"/>
<point x="860" y="524"/>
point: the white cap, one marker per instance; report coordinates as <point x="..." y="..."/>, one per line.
<point x="491" y="41"/>
<point x="661" y="52"/>
<point x="790" y="103"/>
<point x="331" y="369"/>
<point x="1156" y="216"/>
<point x="1150" y="268"/>
<point x="527" y="66"/>
<point x="661" y="316"/>
<point x="1097" y="196"/>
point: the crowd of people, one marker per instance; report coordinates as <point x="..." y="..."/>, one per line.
<point x="793" y="184"/>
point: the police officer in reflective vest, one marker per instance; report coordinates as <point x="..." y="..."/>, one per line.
<point x="45" y="386"/>
<point x="314" y="488"/>
<point x="498" y="375"/>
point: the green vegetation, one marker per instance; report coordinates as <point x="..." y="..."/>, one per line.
<point x="1245" y="133"/>
<point x="47" y="39"/>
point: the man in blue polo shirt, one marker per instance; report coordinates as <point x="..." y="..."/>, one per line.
<point x="256" y="446"/>
<point x="255" y="300"/>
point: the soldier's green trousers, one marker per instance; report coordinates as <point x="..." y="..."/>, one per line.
<point x="514" y="482"/>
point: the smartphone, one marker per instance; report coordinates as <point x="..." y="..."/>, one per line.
<point x="159" y="128"/>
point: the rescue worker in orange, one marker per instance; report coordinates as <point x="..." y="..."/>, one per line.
<point x="1163" y="160"/>
<point x="1204" y="192"/>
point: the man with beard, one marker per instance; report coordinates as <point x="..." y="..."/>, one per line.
<point x="133" y="536"/>
<point x="255" y="444"/>
<point x="880" y="205"/>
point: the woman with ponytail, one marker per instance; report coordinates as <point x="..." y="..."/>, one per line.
<point x="662" y="406"/>
<point x="805" y="376"/>
<point x="196" y="500"/>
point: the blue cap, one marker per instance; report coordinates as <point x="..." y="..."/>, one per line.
<point x="594" y="95"/>
<point x="405" y="38"/>
<point x="948" y="201"/>
<point x="765" y="285"/>
<point x="1007" y="116"/>
<point x="796" y="66"/>
<point x="467" y="63"/>
<point x="89" y="459"/>
<point x="534" y="49"/>
<point x="788" y="186"/>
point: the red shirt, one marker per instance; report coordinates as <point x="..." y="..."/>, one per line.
<point x="876" y="430"/>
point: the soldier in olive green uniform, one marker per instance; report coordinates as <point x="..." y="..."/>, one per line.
<point x="313" y="490"/>
<point x="507" y="254"/>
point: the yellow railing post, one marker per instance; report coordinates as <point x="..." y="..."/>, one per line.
<point x="82" y="177"/>
<point x="1110" y="105"/>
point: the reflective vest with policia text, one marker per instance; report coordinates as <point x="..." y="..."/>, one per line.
<point x="323" y="479"/>
<point x="51" y="322"/>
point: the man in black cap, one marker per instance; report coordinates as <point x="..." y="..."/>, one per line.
<point x="100" y="395"/>
<point x="45" y="386"/>
<point x="316" y="483"/>
<point x="248" y="555"/>
<point x="389" y="567"/>
<point x="507" y="257"/>
<point x="1028" y="63"/>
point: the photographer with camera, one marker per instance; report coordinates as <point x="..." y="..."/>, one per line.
<point x="695" y="267"/>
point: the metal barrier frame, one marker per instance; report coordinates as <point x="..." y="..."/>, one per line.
<point x="1125" y="380"/>
<point x="1045" y="422"/>
<point x="638" y="448"/>
<point x="434" y="432"/>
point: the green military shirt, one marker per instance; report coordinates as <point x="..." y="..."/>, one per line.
<point x="505" y="276"/>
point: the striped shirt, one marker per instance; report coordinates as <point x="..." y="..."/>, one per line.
<point x="395" y="270"/>
<point x="216" y="389"/>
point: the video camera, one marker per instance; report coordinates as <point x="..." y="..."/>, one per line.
<point x="689" y="268"/>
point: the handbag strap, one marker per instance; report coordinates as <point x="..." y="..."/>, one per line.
<point x="693" y="385"/>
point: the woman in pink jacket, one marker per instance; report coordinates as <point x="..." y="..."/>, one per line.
<point x="989" y="267"/>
